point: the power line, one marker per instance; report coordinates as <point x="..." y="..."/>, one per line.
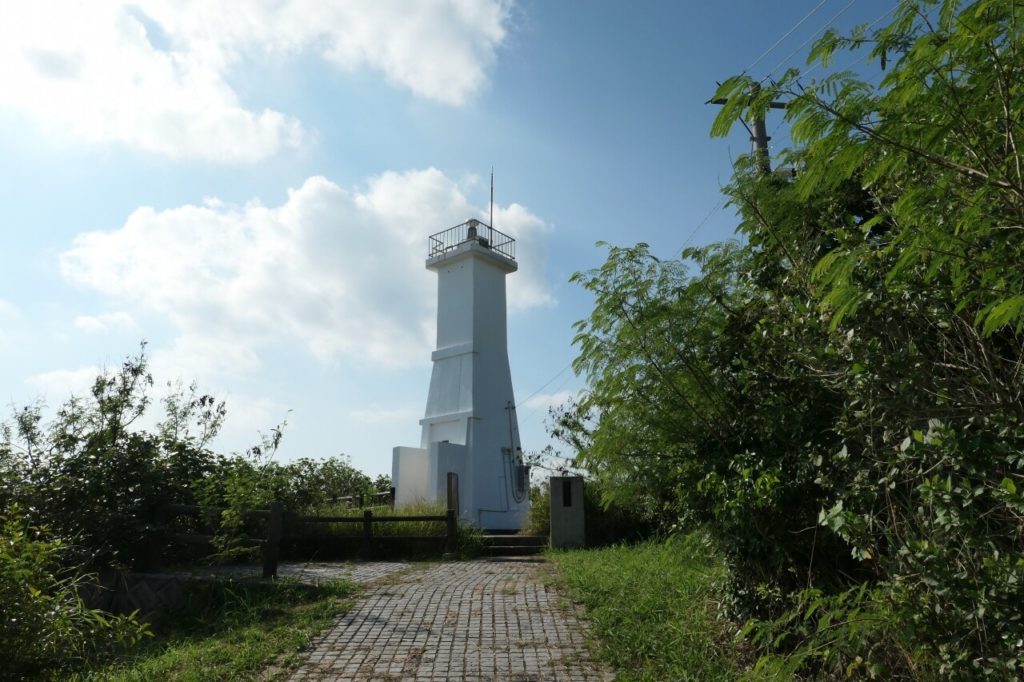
<point x="702" y="223"/>
<point x="817" y="65"/>
<point x="546" y="384"/>
<point x="693" y="234"/>
<point x="784" y="36"/>
<point x="554" y="392"/>
<point x="802" y="45"/>
<point x="863" y="57"/>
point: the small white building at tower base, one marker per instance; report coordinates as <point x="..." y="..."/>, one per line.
<point x="469" y="427"/>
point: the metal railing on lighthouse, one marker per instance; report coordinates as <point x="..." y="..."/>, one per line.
<point x="469" y="231"/>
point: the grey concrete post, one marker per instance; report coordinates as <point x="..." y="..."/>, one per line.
<point x="568" y="525"/>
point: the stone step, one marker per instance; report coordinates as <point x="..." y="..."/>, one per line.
<point x="516" y="540"/>
<point x="513" y="550"/>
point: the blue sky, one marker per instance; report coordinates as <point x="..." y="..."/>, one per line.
<point x="249" y="187"/>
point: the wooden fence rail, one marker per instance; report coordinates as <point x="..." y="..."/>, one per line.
<point x="383" y="499"/>
<point x="278" y="521"/>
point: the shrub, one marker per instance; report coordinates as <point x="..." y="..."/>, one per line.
<point x="45" y="627"/>
<point x="93" y="478"/>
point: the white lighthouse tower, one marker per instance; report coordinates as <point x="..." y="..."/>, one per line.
<point x="469" y="427"/>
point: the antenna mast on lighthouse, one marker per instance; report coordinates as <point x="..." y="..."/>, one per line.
<point x="491" y="223"/>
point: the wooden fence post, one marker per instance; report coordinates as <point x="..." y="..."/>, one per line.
<point x="367" y="532"/>
<point x="157" y="540"/>
<point x="272" y="548"/>
<point x="451" y="522"/>
<point x="453" y="491"/>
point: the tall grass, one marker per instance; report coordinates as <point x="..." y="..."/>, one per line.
<point x="355" y="528"/>
<point x="343" y="539"/>
<point x="231" y="631"/>
<point x="654" y="608"/>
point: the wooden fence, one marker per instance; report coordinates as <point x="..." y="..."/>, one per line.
<point x="384" y="499"/>
<point x="279" y="521"/>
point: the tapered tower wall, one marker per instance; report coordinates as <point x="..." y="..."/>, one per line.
<point x="470" y="402"/>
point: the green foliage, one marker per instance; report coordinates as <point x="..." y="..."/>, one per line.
<point x="231" y="631"/>
<point x="653" y="608"/>
<point x="327" y="487"/>
<point x="344" y="539"/>
<point x="303" y="485"/>
<point x="45" y="628"/>
<point x="840" y="398"/>
<point x="96" y="480"/>
<point x="539" y="520"/>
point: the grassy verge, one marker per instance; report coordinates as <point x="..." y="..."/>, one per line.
<point x="232" y="631"/>
<point x="333" y="540"/>
<point x="355" y="529"/>
<point x="653" y="609"/>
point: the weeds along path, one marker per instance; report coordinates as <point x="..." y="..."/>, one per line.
<point x="493" y="619"/>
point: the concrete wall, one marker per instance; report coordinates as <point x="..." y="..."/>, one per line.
<point x="122" y="593"/>
<point x="410" y="469"/>
<point x="451" y="458"/>
<point x="421" y="475"/>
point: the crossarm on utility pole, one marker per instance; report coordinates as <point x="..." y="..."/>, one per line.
<point x="758" y="130"/>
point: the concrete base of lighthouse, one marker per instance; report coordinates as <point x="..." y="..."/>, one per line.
<point x="420" y="475"/>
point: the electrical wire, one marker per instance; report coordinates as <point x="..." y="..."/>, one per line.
<point x="856" y="61"/>
<point x="554" y="392"/>
<point x="818" y="65"/>
<point x="722" y="202"/>
<point x="546" y="384"/>
<point x="814" y="35"/>
<point x="701" y="224"/>
<point x="690" y="238"/>
<point x="784" y="36"/>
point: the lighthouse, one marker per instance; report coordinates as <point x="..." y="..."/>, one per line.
<point x="469" y="427"/>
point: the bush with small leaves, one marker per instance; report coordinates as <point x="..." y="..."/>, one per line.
<point x="45" y="628"/>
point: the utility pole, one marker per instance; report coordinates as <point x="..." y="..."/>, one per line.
<point x="758" y="131"/>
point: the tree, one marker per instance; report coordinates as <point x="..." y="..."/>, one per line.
<point x="93" y="478"/>
<point x="841" y="396"/>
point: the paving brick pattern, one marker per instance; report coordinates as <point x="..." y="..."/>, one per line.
<point x="311" y="572"/>
<point x="485" y="620"/>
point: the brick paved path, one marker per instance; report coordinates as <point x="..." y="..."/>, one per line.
<point x="473" y="620"/>
<point x="305" y="572"/>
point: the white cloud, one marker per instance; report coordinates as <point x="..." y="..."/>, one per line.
<point x="247" y="418"/>
<point x="8" y="313"/>
<point x="527" y="289"/>
<point x="340" y="271"/>
<point x="376" y="417"/>
<point x="202" y="359"/>
<point x="104" y="322"/>
<point x="545" y="401"/>
<point x="155" y="74"/>
<point x="59" y="385"/>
